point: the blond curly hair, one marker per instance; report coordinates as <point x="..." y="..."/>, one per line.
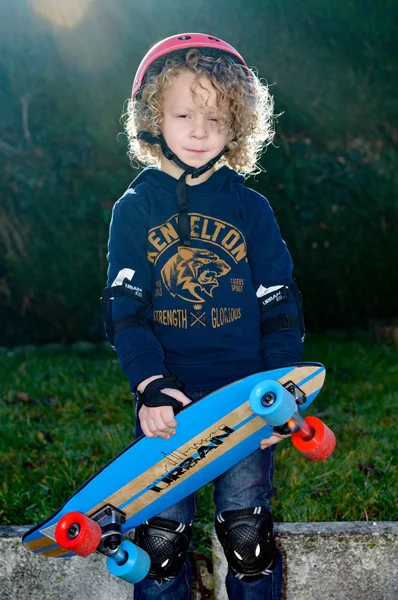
<point x="244" y="102"/>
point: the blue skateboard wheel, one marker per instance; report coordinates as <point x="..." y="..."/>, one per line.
<point x="130" y="563"/>
<point x="271" y="401"/>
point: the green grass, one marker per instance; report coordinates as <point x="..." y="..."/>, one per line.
<point x="63" y="416"/>
<point x="359" y="403"/>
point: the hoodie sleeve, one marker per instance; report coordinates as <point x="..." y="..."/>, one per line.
<point x="272" y="267"/>
<point x="140" y="353"/>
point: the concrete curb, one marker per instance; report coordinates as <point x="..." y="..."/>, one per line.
<point x="336" y="561"/>
<point x="24" y="576"/>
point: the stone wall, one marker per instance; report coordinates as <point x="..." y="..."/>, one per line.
<point x="336" y="561"/>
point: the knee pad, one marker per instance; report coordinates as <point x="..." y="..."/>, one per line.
<point x="166" y="542"/>
<point x="248" y="542"/>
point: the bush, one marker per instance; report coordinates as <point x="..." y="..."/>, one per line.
<point x="63" y="166"/>
<point x="337" y="210"/>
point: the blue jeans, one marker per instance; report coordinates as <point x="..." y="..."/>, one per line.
<point x="245" y="485"/>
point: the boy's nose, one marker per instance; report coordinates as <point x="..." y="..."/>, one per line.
<point x="199" y="128"/>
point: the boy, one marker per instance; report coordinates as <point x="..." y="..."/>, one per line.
<point x="201" y="291"/>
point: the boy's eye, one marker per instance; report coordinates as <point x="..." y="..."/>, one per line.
<point x="182" y="116"/>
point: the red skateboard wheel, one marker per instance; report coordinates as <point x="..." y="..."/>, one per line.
<point x="321" y="445"/>
<point x="78" y="533"/>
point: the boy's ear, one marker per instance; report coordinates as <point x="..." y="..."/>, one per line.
<point x="230" y="141"/>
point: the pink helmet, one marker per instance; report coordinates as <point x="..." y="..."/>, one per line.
<point x="183" y="41"/>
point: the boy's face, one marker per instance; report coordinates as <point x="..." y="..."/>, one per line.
<point x="190" y="124"/>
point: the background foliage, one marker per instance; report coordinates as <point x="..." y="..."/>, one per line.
<point x="66" y="70"/>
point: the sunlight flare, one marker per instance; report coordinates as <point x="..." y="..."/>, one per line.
<point x="66" y="14"/>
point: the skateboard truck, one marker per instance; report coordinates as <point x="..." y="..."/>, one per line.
<point x="278" y="404"/>
<point x="297" y="423"/>
<point x="295" y="391"/>
<point x="110" y="520"/>
<point x="83" y="535"/>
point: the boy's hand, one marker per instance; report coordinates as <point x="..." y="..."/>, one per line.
<point x="273" y="439"/>
<point x="159" y="421"/>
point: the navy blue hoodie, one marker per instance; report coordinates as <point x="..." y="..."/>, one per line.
<point x="205" y="313"/>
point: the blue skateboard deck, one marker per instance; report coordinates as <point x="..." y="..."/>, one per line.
<point x="152" y="474"/>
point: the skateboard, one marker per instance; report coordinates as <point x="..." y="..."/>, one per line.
<point x="152" y="474"/>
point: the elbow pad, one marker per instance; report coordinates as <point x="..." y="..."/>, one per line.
<point x="276" y="314"/>
<point x="123" y="287"/>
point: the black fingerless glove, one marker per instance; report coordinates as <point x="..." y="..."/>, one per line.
<point x="153" y="396"/>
